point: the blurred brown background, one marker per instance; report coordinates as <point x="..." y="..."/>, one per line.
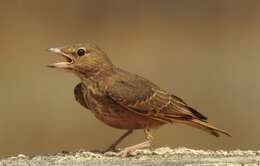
<point x="206" y="52"/>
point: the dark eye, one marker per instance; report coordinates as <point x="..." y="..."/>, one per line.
<point x="81" y="52"/>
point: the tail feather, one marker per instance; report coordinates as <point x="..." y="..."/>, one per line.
<point x="197" y="113"/>
<point x="205" y="126"/>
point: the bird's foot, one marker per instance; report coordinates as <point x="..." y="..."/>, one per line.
<point x="129" y="151"/>
<point x="111" y="149"/>
<point x="124" y="153"/>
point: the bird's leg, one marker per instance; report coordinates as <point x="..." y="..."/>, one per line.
<point x="112" y="147"/>
<point x="126" y="152"/>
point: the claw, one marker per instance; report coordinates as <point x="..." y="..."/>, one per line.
<point x="113" y="149"/>
<point x="129" y="150"/>
<point x="123" y="153"/>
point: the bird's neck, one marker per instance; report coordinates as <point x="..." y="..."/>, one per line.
<point x="100" y="77"/>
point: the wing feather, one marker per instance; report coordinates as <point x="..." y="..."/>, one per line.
<point x="146" y="99"/>
<point x="79" y="96"/>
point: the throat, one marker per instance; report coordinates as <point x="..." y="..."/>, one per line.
<point x="99" y="77"/>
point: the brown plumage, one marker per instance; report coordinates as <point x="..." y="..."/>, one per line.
<point x="124" y="100"/>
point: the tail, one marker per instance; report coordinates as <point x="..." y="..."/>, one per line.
<point x="205" y="126"/>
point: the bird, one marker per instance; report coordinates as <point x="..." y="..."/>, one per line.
<point x="125" y="100"/>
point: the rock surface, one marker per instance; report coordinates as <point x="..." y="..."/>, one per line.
<point x="161" y="156"/>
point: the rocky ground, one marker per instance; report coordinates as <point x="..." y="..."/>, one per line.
<point x="158" y="157"/>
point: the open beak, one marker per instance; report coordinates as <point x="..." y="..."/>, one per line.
<point x="62" y="65"/>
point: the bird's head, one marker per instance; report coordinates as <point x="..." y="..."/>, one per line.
<point x="86" y="59"/>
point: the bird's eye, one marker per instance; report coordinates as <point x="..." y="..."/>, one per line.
<point x="81" y="52"/>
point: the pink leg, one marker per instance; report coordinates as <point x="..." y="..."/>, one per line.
<point x="112" y="147"/>
<point x="126" y="152"/>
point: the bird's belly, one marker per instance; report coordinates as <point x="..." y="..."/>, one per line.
<point x="128" y="121"/>
<point x="117" y="116"/>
